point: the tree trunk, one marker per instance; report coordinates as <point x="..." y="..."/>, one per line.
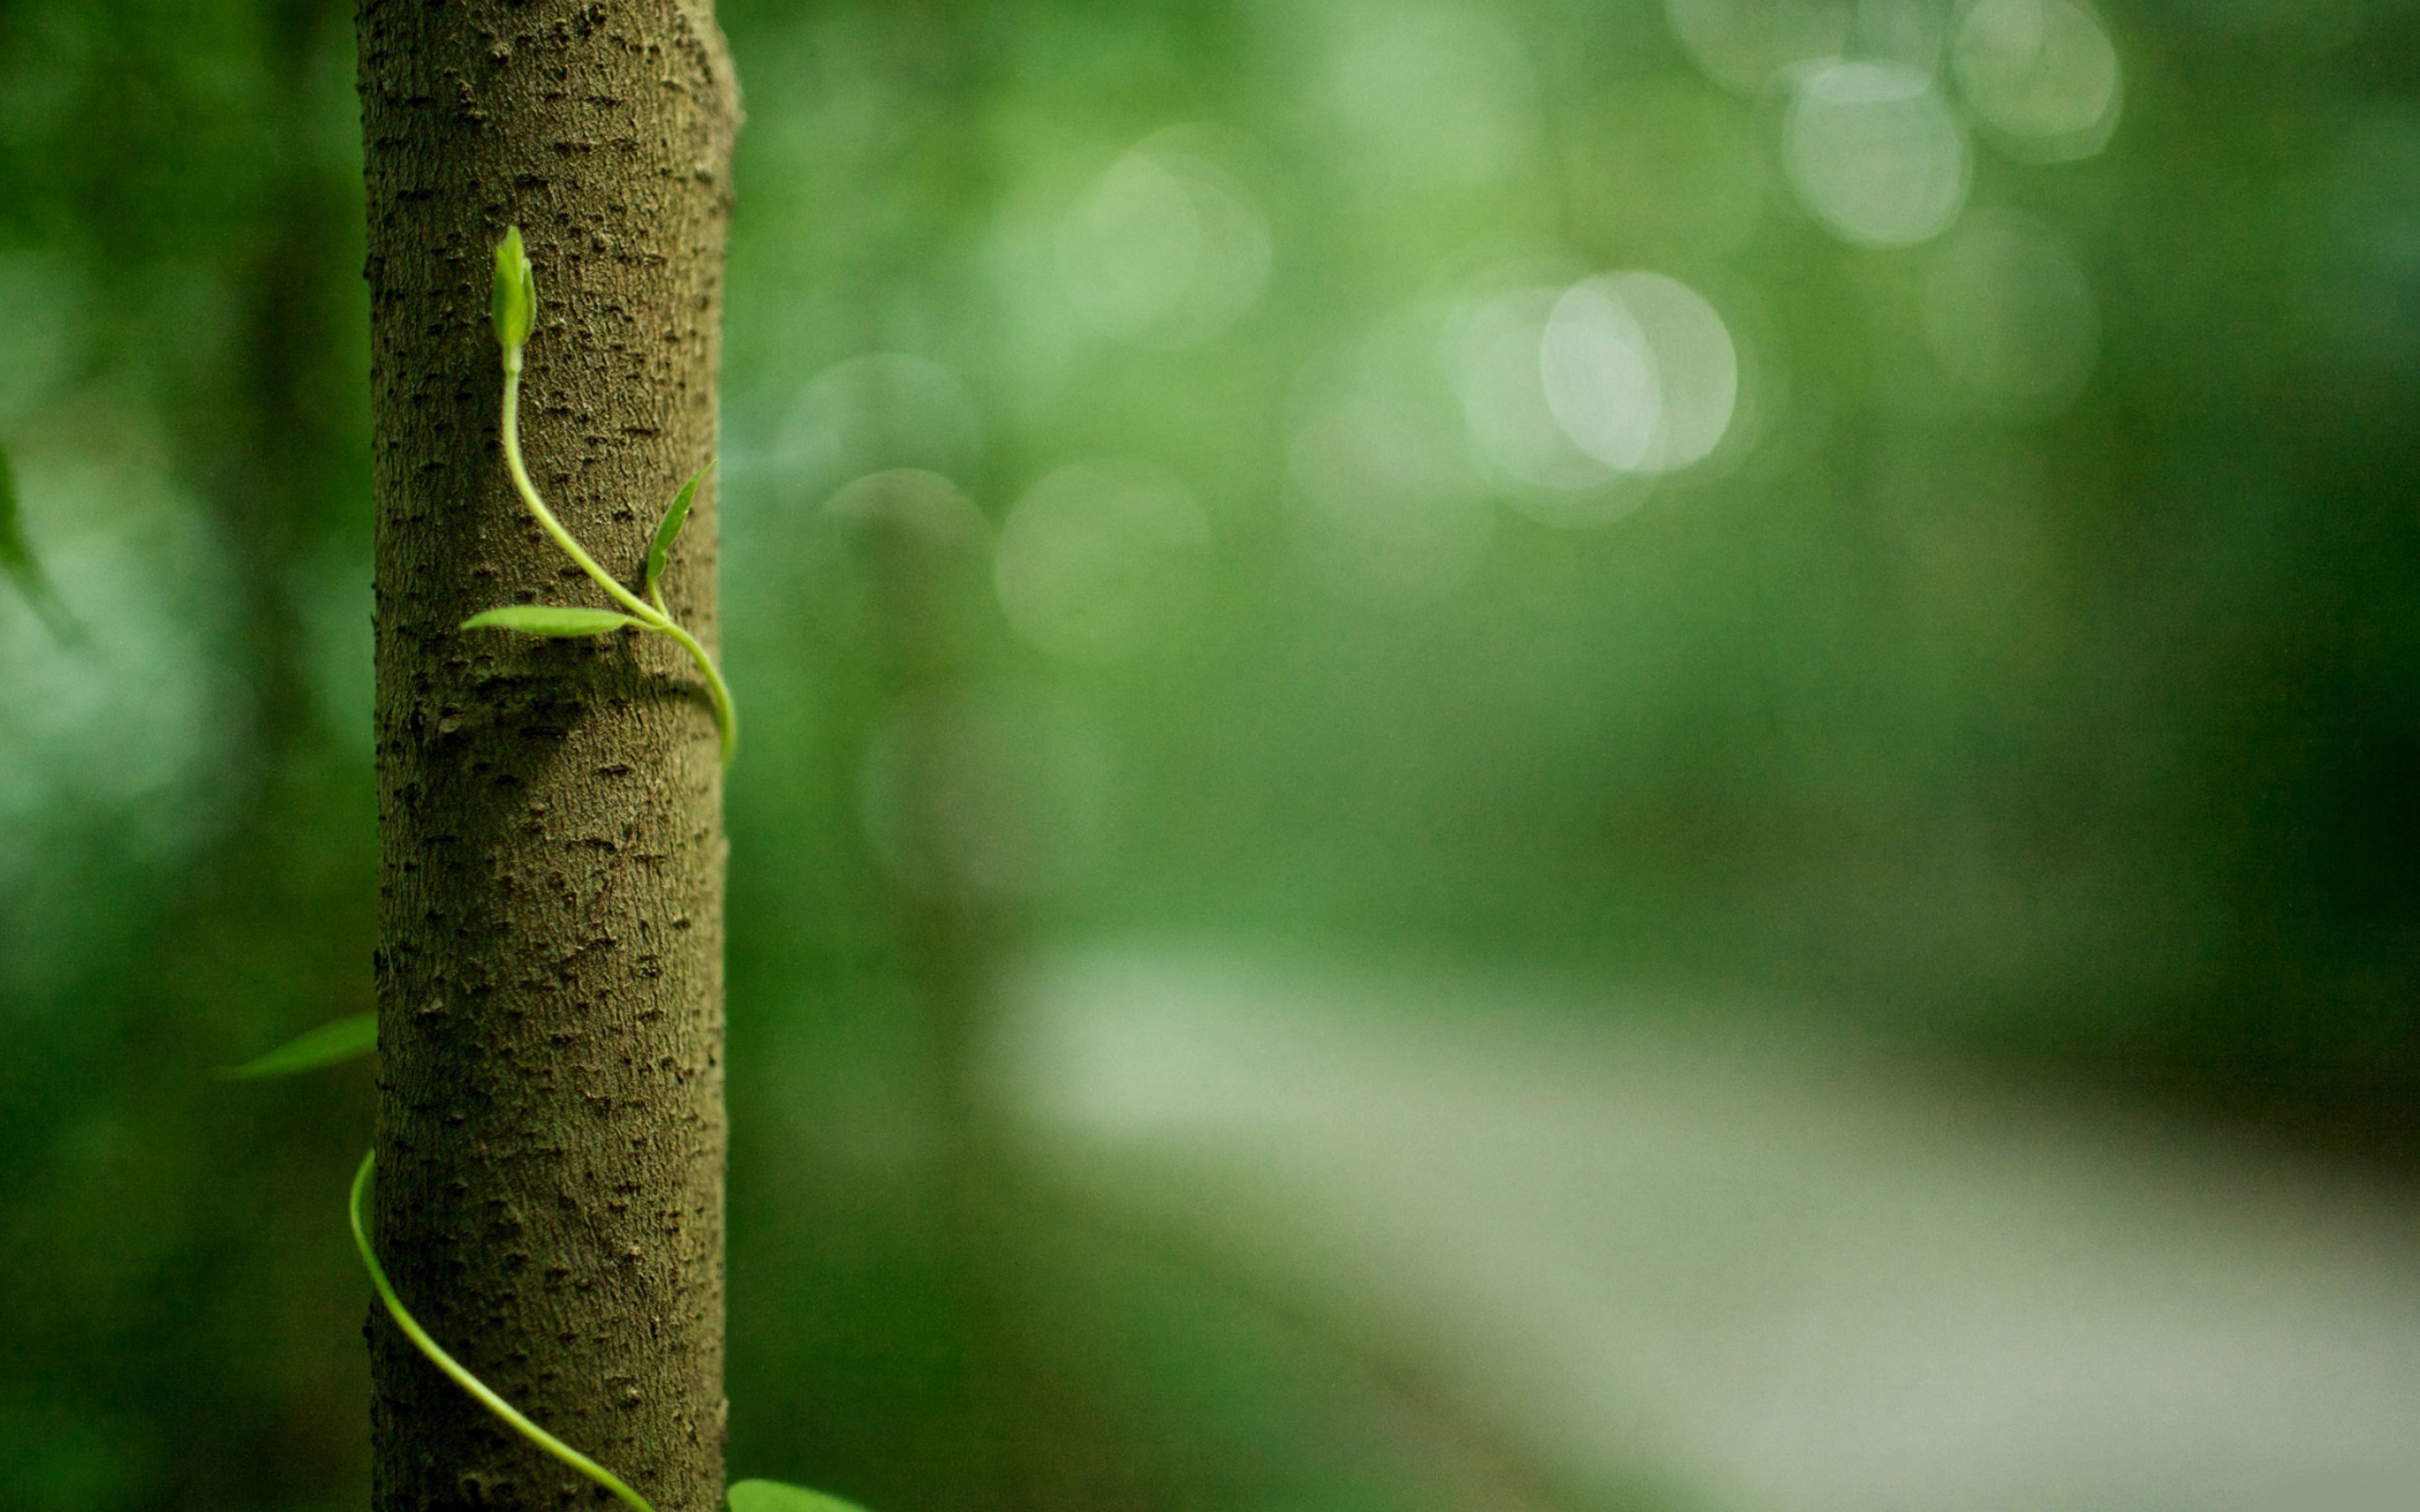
<point x="551" y="1136"/>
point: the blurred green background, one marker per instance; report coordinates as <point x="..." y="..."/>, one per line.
<point x="1892" y="513"/>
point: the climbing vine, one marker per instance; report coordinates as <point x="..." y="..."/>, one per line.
<point x="514" y="306"/>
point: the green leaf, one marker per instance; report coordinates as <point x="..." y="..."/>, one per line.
<point x="674" y="518"/>
<point x="550" y="619"/>
<point x="512" y="299"/>
<point x="18" y="561"/>
<point x="13" y="555"/>
<point x="772" y="1496"/>
<point x="327" y="1045"/>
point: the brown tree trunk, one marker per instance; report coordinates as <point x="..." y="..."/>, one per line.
<point x="551" y="1138"/>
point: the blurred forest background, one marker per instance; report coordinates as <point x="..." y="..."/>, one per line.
<point x="1893" y="513"/>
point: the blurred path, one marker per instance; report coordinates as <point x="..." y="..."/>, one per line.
<point x="1783" y="1275"/>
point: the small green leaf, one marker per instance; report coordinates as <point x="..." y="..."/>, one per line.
<point x="18" y="561"/>
<point x="13" y="555"/>
<point x="772" y="1496"/>
<point x="550" y="619"/>
<point x="327" y="1045"/>
<point x="674" y="518"/>
<point x="512" y="299"/>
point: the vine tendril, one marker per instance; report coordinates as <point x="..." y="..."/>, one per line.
<point x="515" y="310"/>
<point x="453" y="1368"/>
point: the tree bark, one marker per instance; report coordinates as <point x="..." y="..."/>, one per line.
<point x="551" y="1136"/>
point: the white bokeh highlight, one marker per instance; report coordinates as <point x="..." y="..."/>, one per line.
<point x="1639" y="371"/>
<point x="1874" y="153"/>
<point x="1599" y="376"/>
<point x="1501" y="378"/>
<point x="1697" y="367"/>
<point x="2041" y="77"/>
<point x="1164" y="249"/>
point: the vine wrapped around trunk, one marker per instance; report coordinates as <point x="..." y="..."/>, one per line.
<point x="551" y="1133"/>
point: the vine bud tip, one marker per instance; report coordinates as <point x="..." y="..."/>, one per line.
<point x="513" y="300"/>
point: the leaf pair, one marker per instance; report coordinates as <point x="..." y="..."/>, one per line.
<point x="514" y="307"/>
<point x="565" y="622"/>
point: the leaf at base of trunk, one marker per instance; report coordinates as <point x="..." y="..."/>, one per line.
<point x="772" y="1496"/>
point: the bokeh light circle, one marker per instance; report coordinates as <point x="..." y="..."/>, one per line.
<point x="1874" y="153"/>
<point x="1164" y="249"/>
<point x="1392" y="509"/>
<point x="1741" y="44"/>
<point x="1640" y="372"/>
<point x="1697" y="367"/>
<point x="1100" y="558"/>
<point x="1599" y="375"/>
<point x="1502" y="384"/>
<point x="2011" y="314"/>
<point x="2041" y="76"/>
<point x="879" y="411"/>
<point x="1438" y="93"/>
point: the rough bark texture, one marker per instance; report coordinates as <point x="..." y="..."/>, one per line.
<point x="551" y="1135"/>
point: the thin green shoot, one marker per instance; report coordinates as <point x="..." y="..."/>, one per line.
<point x="515" y="306"/>
<point x="453" y="1369"/>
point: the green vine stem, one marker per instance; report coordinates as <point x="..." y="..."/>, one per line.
<point x="515" y="311"/>
<point x="453" y="1369"/>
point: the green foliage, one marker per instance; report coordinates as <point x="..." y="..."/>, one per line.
<point x="551" y="619"/>
<point x="2095" y="729"/>
<point x="774" y="1496"/>
<point x="23" y="568"/>
<point x="347" y="1039"/>
<point x="514" y="307"/>
<point x="660" y="550"/>
<point x="514" y="303"/>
